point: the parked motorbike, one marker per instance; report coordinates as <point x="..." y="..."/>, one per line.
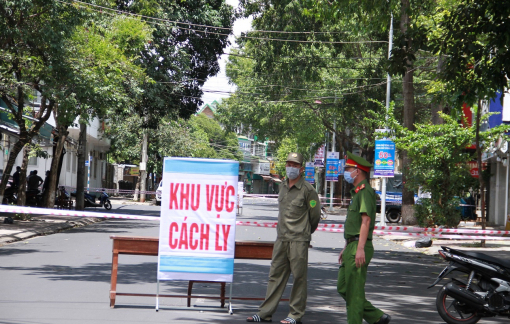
<point x="104" y="200"/>
<point x="481" y="289"/>
<point x="323" y="213"/>
<point x="10" y="195"/>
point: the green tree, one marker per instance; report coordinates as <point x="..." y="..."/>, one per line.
<point x="410" y="39"/>
<point x="100" y="75"/>
<point x="33" y="36"/>
<point x="473" y="39"/>
<point x="181" y="56"/>
<point x="199" y="137"/>
<point x="439" y="167"/>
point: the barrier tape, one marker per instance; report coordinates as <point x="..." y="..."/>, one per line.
<point x="334" y="228"/>
<point x="401" y="229"/>
<point x="110" y="190"/>
<point x="62" y="212"/>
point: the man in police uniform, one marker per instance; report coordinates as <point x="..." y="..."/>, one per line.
<point x="298" y="217"/>
<point x="358" y="250"/>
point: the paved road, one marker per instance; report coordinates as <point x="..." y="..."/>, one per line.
<point x="65" y="278"/>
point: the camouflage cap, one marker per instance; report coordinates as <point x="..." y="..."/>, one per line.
<point x="295" y="157"/>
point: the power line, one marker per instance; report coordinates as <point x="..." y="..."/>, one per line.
<point x="120" y="12"/>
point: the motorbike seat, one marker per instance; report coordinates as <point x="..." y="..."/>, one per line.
<point x="484" y="257"/>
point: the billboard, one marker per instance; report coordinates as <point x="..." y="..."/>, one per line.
<point x="198" y="217"/>
<point x="384" y="164"/>
<point x="310" y="172"/>
<point x="332" y="166"/>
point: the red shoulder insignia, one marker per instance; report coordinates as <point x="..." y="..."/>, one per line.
<point x="359" y="188"/>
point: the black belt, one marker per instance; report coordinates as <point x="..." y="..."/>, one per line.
<point x="353" y="239"/>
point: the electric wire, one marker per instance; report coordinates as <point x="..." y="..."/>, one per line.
<point x="120" y="12"/>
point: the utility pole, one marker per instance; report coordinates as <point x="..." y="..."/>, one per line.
<point x="325" y="163"/>
<point x="332" y="183"/>
<point x="143" y="166"/>
<point x="80" y="177"/>
<point x="388" y="90"/>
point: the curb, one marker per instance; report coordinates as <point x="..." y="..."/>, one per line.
<point x="40" y="226"/>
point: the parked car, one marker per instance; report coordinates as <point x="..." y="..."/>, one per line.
<point x="159" y="192"/>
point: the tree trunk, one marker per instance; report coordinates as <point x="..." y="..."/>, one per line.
<point x="13" y="154"/>
<point x="80" y="180"/>
<point x="479" y="162"/>
<point x="22" y="193"/>
<point x="49" y="196"/>
<point x="408" y="217"/>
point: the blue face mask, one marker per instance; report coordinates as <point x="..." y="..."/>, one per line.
<point x="348" y="178"/>
<point x="292" y="173"/>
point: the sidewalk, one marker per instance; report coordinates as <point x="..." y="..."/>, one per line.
<point x="490" y="245"/>
<point x="46" y="224"/>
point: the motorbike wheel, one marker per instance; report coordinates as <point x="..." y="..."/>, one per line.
<point x="393" y="216"/>
<point x="453" y="311"/>
<point x="107" y="205"/>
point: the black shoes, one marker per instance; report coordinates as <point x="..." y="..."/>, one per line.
<point x="385" y="319"/>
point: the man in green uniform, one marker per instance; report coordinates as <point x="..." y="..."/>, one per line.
<point x="299" y="212"/>
<point x="358" y="250"/>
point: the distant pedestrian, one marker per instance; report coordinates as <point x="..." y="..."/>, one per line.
<point x="34" y="181"/>
<point x="358" y="250"/>
<point x="15" y="177"/>
<point x="298" y="217"/>
<point x="46" y="184"/>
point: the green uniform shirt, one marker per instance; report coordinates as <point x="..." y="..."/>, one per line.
<point x="362" y="201"/>
<point x="299" y="211"/>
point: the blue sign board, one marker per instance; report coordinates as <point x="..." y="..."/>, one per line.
<point x="310" y="172"/>
<point x="384" y="161"/>
<point x="332" y="166"/>
<point x="341" y="166"/>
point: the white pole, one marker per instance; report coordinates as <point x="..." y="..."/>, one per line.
<point x="388" y="90"/>
<point x="506" y="187"/>
<point x="496" y="199"/>
<point x="325" y="170"/>
<point x="332" y="183"/>
<point x="88" y="176"/>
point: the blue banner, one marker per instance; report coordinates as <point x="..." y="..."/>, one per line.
<point x="341" y="166"/>
<point x="332" y="166"/>
<point x="310" y="172"/>
<point x="384" y="164"/>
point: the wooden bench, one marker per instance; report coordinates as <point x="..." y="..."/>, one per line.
<point x="139" y="245"/>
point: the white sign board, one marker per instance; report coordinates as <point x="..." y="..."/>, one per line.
<point x="265" y="168"/>
<point x="198" y="217"/>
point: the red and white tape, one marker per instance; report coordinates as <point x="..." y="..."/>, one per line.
<point x="334" y="228"/>
<point x="63" y="212"/>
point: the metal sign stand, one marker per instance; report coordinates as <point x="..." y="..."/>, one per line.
<point x="229" y="308"/>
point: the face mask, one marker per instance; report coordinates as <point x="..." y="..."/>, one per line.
<point x="348" y="178"/>
<point x="292" y="173"/>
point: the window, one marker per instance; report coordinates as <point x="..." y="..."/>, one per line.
<point x="94" y="161"/>
<point x="75" y="158"/>
<point x="32" y="161"/>
<point x="68" y="161"/>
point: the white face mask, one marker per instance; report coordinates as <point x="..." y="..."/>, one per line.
<point x="292" y="173"/>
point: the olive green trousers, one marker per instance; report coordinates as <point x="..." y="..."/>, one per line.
<point x="351" y="285"/>
<point x="288" y="257"/>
